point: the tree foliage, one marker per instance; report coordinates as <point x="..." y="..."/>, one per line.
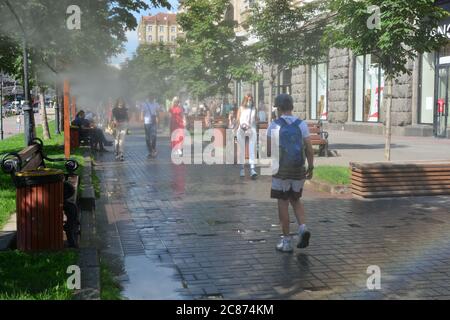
<point x="287" y="35"/>
<point x="151" y="72"/>
<point x="9" y="53"/>
<point x="406" y="28"/>
<point x="211" y="54"/>
<point x="44" y="24"/>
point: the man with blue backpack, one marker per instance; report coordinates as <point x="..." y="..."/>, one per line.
<point x="288" y="180"/>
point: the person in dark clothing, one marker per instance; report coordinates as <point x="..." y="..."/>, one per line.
<point x="83" y="127"/>
<point x="97" y="133"/>
<point x="88" y="130"/>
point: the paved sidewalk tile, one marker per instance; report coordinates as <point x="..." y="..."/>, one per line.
<point x="215" y="235"/>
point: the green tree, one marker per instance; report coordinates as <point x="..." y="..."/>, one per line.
<point x="287" y="35"/>
<point x="9" y="53"/>
<point x="211" y="55"/>
<point x="151" y="72"/>
<point x="394" y="31"/>
<point x="42" y="26"/>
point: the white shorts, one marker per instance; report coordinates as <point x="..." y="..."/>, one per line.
<point x="287" y="189"/>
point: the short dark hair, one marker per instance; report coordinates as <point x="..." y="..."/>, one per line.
<point x="284" y="102"/>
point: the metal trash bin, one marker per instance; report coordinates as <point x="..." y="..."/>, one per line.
<point x="39" y="202"/>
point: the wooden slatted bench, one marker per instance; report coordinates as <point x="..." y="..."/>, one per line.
<point x="401" y="179"/>
<point x="319" y="138"/>
<point x="32" y="158"/>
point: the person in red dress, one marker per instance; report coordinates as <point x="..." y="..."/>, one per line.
<point x="177" y="121"/>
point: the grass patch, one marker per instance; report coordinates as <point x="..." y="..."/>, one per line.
<point x="37" y="276"/>
<point x="335" y="175"/>
<point x="110" y="288"/>
<point x="52" y="148"/>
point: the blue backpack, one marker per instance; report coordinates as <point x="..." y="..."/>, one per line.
<point x="290" y="144"/>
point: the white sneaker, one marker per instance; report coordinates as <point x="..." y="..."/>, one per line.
<point x="253" y="173"/>
<point x="285" y="244"/>
<point x="242" y="174"/>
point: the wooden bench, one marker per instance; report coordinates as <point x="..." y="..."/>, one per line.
<point x="32" y="158"/>
<point x="400" y="179"/>
<point x="319" y="137"/>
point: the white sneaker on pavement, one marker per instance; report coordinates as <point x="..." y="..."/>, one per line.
<point x="285" y="244"/>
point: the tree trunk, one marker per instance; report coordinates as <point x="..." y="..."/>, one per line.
<point x="387" y="150"/>
<point x="44" y="120"/>
<point x="61" y="112"/>
<point x="271" y="82"/>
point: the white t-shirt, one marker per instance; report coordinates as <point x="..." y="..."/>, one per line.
<point x="248" y="116"/>
<point x="149" y="109"/>
<point x="289" y="119"/>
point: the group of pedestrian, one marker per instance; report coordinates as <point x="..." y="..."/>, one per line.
<point x="294" y="143"/>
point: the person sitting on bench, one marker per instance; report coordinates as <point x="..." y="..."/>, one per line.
<point x="88" y="130"/>
<point x="99" y="136"/>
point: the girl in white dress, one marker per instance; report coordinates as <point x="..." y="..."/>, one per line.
<point x="246" y="127"/>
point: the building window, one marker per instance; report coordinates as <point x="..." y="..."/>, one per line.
<point x="150" y="38"/>
<point x="426" y="88"/>
<point x="368" y="89"/>
<point x="149" y="28"/>
<point x="174" y="29"/>
<point x="161" y="39"/>
<point x="319" y="92"/>
<point x="173" y="38"/>
<point x="161" y="28"/>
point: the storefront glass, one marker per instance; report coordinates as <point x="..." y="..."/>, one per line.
<point x="369" y="87"/>
<point x="426" y="114"/>
<point x="319" y="92"/>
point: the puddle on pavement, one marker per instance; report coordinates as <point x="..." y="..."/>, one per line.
<point x="149" y="281"/>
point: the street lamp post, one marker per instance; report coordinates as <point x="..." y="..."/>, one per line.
<point x="27" y="108"/>
<point x="57" y="120"/>
<point x="56" y="105"/>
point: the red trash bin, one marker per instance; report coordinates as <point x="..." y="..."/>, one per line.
<point x="39" y="204"/>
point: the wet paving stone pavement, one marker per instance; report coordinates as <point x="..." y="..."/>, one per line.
<point x="202" y="232"/>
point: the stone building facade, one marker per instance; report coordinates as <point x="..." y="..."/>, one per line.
<point x="346" y="92"/>
<point x="159" y="28"/>
<point x="342" y="89"/>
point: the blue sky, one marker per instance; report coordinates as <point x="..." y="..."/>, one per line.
<point x="132" y="44"/>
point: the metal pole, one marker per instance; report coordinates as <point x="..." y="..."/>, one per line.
<point x="66" y="119"/>
<point x="27" y="108"/>
<point x="57" y="121"/>
<point x="1" y="105"/>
